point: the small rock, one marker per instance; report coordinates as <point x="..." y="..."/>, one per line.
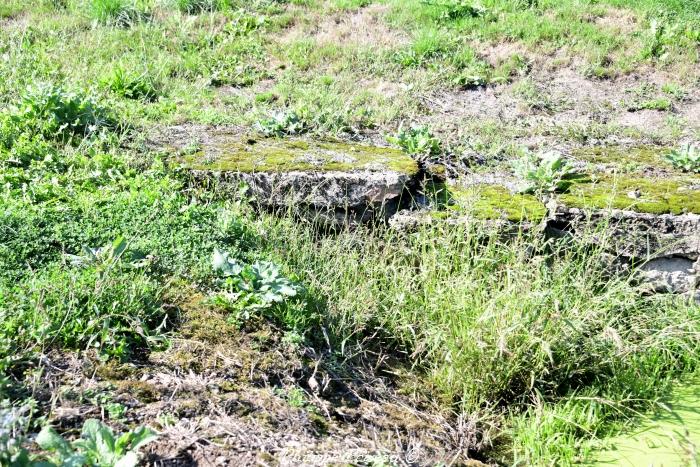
<point x="313" y="385"/>
<point x="669" y="275"/>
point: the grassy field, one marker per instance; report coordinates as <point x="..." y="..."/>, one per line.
<point x="367" y="346"/>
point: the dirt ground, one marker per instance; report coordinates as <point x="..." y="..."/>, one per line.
<point x="249" y="398"/>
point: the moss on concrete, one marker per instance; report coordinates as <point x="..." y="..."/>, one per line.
<point x="635" y="186"/>
<point x="655" y="195"/>
<point x="628" y="159"/>
<point x="280" y="155"/>
<point x="491" y="202"/>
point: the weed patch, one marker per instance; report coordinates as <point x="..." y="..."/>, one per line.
<point x="553" y="326"/>
<point x="132" y="85"/>
<point x="686" y="158"/>
<point x="520" y="347"/>
<point x="117" y="12"/>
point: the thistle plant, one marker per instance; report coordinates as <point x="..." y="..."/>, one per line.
<point x="685" y="158"/>
<point x="546" y="172"/>
<point x="416" y="140"/>
<point x="97" y="445"/>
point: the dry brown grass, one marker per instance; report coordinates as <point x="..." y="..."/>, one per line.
<point x="362" y="28"/>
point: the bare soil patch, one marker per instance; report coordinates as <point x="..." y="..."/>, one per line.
<point x="499" y="52"/>
<point x="363" y="28"/>
<point x="619" y="20"/>
<point x="566" y="98"/>
<point x="220" y="395"/>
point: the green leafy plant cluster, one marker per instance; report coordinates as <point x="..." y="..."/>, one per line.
<point x="193" y="7"/>
<point x="296" y="397"/>
<point x="98" y="445"/>
<point x="13" y="421"/>
<point x="645" y="97"/>
<point x="262" y="278"/>
<point x="282" y="123"/>
<point x="132" y="85"/>
<point x="41" y="122"/>
<point x="685" y="158"/>
<point x="470" y="80"/>
<point x="244" y="23"/>
<point x="457" y="9"/>
<point x="105" y="400"/>
<point x="665" y="33"/>
<point x="259" y="287"/>
<point x="107" y="257"/>
<point x="417" y="141"/>
<point x="426" y="49"/>
<point x="661" y="104"/>
<point x="51" y="112"/>
<point x="225" y="71"/>
<point x="547" y="172"/>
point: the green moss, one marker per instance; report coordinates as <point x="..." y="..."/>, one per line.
<point x="141" y="390"/>
<point x="204" y="323"/>
<point x="674" y="194"/>
<point x="657" y="195"/>
<point x="279" y="155"/>
<point x="187" y="408"/>
<point x="319" y="421"/>
<point x="228" y="386"/>
<point x="114" y="370"/>
<point x="626" y="158"/>
<point x="490" y="202"/>
<point x="656" y="440"/>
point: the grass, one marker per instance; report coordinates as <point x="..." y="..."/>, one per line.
<point x="548" y="341"/>
<point x="239" y="47"/>
<point x="116" y="12"/>
<point x="99" y="235"/>
<point x="131" y="85"/>
<point x="196" y="6"/>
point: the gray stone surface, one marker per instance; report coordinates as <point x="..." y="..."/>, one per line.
<point x="666" y="246"/>
<point x="670" y="274"/>
<point x="337" y="182"/>
<point x="634" y="235"/>
<point x="356" y="196"/>
<point x="328" y="179"/>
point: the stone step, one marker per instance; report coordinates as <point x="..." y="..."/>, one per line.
<point x="339" y="180"/>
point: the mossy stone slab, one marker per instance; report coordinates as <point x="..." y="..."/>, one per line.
<point x="650" y="194"/>
<point x="252" y="155"/>
<point x="496" y="202"/>
<point x="628" y="159"/>
<point x="344" y="181"/>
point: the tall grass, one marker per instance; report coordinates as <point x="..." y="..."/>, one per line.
<point x="197" y="6"/>
<point x="538" y="334"/>
<point x="116" y="12"/>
